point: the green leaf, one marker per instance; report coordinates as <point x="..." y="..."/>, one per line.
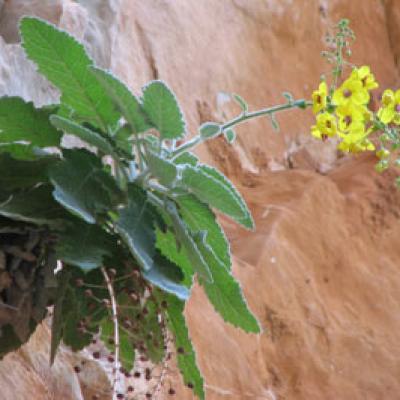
<point x="186" y="158"/>
<point x="63" y="278"/>
<point x="85" y="134"/>
<point x="288" y="96"/>
<point x="21" y="121"/>
<point x="122" y="140"/>
<point x="65" y="63"/>
<point x="225" y="293"/>
<point x="165" y="171"/>
<point x="167" y="276"/>
<point x="84" y="245"/>
<point x="21" y="151"/>
<point x="198" y="217"/>
<point x="274" y="122"/>
<point x="82" y="186"/>
<point x="187" y="361"/>
<point x="183" y="235"/>
<point x="136" y="226"/>
<point x="123" y="99"/>
<point x="242" y="103"/>
<point x="34" y="205"/>
<point x="126" y="348"/>
<point x="20" y="174"/>
<point x="230" y="135"/>
<point x="209" y="130"/>
<point x="213" y="188"/>
<point x="166" y="243"/>
<point x="246" y="220"/>
<point x="163" y="110"/>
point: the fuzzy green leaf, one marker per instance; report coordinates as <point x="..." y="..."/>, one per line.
<point x="163" y="110"/>
<point x="246" y="219"/>
<point x="167" y="244"/>
<point x="82" y="186"/>
<point x="136" y="226"/>
<point x="165" y="171"/>
<point x="198" y="217"/>
<point x="35" y="205"/>
<point x="225" y="293"/>
<point x="230" y="135"/>
<point x="84" y="245"/>
<point x="242" y="103"/>
<point x="85" y="134"/>
<point x="187" y="361"/>
<point x="65" y="63"/>
<point x="209" y="130"/>
<point x="167" y="276"/>
<point x="123" y="99"/>
<point x="186" y="158"/>
<point x="20" y="174"/>
<point x="213" y="188"/>
<point x="21" y="121"/>
<point x="183" y="235"/>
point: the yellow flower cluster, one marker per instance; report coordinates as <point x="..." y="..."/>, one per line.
<point x="344" y="112"/>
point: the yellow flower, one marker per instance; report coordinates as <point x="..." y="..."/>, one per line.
<point x="319" y="97"/>
<point x="355" y="142"/>
<point x="351" y="118"/>
<point x="326" y="126"/>
<point x="390" y="110"/>
<point x="351" y="91"/>
<point x="365" y="76"/>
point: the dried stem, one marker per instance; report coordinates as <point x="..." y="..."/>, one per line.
<point x="116" y="328"/>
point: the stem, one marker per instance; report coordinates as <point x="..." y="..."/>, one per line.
<point x="240" y="119"/>
<point x="116" y="327"/>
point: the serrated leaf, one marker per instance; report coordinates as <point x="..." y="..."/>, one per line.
<point x="209" y="130"/>
<point x="246" y="220"/>
<point x="82" y="186"/>
<point x="167" y="276"/>
<point x="166" y="243"/>
<point x="123" y="142"/>
<point x="85" y="134"/>
<point x="20" y="174"/>
<point x="58" y="313"/>
<point x="163" y="110"/>
<point x="225" y="293"/>
<point x="165" y="171"/>
<point x="65" y="63"/>
<point x="186" y="158"/>
<point x="136" y="226"/>
<point x="183" y="235"/>
<point x="215" y="190"/>
<point x="199" y="217"/>
<point x="230" y="135"/>
<point x="242" y="103"/>
<point x="187" y="361"/>
<point x="124" y="100"/>
<point x="21" y="121"/>
<point x="84" y="245"/>
<point x="35" y="205"/>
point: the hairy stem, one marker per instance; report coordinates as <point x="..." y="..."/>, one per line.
<point x="116" y="328"/>
<point x="240" y="119"/>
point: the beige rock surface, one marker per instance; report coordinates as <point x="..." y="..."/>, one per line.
<point x="321" y="270"/>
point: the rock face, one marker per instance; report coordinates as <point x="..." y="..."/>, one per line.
<point x="321" y="270"/>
